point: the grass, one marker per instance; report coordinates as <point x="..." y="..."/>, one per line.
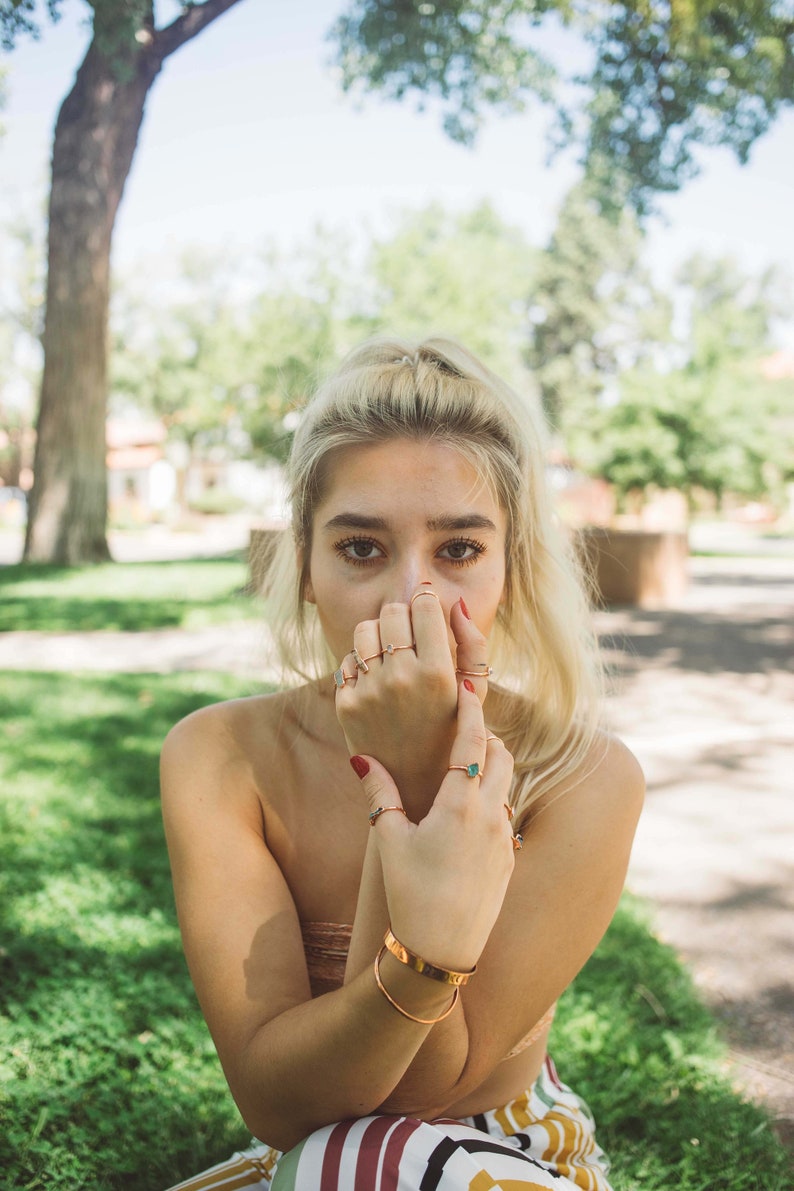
<point x="132" y="596"/>
<point x="108" y="1079"/>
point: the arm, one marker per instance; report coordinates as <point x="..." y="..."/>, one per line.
<point x="292" y="1063"/>
<point x="559" y="902"/>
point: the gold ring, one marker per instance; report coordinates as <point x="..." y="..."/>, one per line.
<point x="381" y="810"/>
<point x="472" y="770"/>
<point x="361" y="663"/>
<point x="485" y="671"/>
<point x="340" y="678"/>
<point x="394" y="648"/>
<point x="417" y="594"/>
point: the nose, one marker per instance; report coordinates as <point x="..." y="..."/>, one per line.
<point x="408" y="579"/>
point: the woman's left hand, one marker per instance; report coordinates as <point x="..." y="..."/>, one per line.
<point x="402" y="708"/>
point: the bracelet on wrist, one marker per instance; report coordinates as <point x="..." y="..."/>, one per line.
<point x="422" y="1021"/>
<point x="433" y="971"/>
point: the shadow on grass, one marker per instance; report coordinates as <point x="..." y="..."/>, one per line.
<point x="123" y="596"/>
<point x="109" y="1077"/>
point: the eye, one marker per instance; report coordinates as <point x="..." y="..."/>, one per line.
<point x="359" y="551"/>
<point x="462" y="551"/>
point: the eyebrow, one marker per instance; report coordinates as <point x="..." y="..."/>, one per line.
<point x="434" y="524"/>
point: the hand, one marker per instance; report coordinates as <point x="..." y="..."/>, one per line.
<point x="402" y="709"/>
<point x="445" y="878"/>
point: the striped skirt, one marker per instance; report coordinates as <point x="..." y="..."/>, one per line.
<point x="544" y="1139"/>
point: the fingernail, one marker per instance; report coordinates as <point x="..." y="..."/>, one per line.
<point x="360" y="765"/>
<point x="464" y="609"/>
<point x="469" y="685"/>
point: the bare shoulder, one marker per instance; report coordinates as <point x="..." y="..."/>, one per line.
<point x="211" y="759"/>
<point x="221" y="733"/>
<point x="608" y="788"/>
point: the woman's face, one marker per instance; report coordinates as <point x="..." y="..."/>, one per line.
<point x="394" y="515"/>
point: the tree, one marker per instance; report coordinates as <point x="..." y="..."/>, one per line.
<point x="714" y="424"/>
<point x="594" y="312"/>
<point x="665" y="75"/>
<point x="469" y="275"/>
<point x="95" y="139"/>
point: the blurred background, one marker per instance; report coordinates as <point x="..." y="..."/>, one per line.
<point x="615" y="240"/>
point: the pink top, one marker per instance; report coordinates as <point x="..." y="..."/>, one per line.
<point x="326" y="945"/>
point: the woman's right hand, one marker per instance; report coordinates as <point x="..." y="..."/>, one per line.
<point x="446" y="877"/>
<point x="403" y="709"/>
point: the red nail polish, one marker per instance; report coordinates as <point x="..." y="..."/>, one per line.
<point x="426" y="583"/>
<point x="469" y="685"/>
<point x="360" y="765"/>
<point x="464" y="609"/>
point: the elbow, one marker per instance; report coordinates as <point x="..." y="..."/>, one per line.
<point x="271" y="1127"/>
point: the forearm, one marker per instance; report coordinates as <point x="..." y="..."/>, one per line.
<point x="337" y="1056"/>
<point x="430" y="1077"/>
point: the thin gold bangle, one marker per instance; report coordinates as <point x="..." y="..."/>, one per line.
<point x="412" y="960"/>
<point x="422" y="1021"/>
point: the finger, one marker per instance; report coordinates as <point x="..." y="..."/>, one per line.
<point x="395" y="632"/>
<point x="496" y="782"/>
<point x="345" y="675"/>
<point x="382" y="794"/>
<point x="366" y="645"/>
<point x="467" y="758"/>
<point x="429" y="628"/>
<point x="472" y="648"/>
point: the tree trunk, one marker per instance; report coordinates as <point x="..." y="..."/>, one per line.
<point x="95" y="139"/>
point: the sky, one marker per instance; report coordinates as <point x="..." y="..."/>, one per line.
<point x="248" y="137"/>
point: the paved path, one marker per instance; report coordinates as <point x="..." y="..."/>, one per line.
<point x="704" y="694"/>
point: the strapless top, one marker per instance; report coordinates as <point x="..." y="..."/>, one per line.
<point x="326" y="945"/>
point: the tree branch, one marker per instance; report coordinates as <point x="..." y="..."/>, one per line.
<point x="189" y="25"/>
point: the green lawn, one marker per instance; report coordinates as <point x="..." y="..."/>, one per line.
<point x="125" y="595"/>
<point x="107" y="1076"/>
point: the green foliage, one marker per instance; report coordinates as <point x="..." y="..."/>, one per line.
<point x="594" y="311"/>
<point x="467" y="275"/>
<point x="108" y="1078"/>
<point x="223" y="360"/>
<point x="124" y="596"/>
<point x="469" y="53"/>
<point x="664" y="78"/>
<point x="713" y="423"/>
<point x="235" y="347"/>
<point x="21" y="16"/>
<point x="632" y="1037"/>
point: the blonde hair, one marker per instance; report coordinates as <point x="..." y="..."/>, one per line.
<point x="542" y="646"/>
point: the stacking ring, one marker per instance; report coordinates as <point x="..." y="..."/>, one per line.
<point x="417" y="594"/>
<point x="381" y="810"/>
<point x="394" y="648"/>
<point x="473" y="770"/>
<point x="484" y="671"/>
<point x="340" y="678"/>
<point x="518" y="841"/>
<point x="361" y="663"/>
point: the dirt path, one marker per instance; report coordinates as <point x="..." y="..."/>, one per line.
<point x="704" y="694"/>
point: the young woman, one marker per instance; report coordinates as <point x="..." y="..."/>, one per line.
<point x="388" y="874"/>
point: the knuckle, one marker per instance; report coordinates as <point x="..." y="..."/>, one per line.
<point x="392" y="607"/>
<point x="478" y="737"/>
